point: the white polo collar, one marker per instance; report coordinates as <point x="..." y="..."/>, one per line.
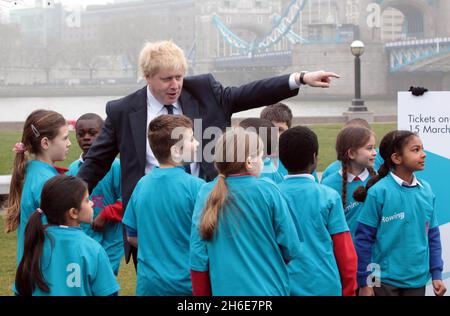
<point x="350" y="177"/>
<point x="403" y="183"/>
<point x="303" y="175"/>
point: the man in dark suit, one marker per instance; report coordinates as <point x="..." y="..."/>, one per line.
<point x="163" y="65"/>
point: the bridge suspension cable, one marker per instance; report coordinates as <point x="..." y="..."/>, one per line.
<point x="282" y="28"/>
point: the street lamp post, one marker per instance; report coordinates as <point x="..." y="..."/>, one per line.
<point x="357" y="48"/>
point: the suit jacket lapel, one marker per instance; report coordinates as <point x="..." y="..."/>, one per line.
<point x="138" y="123"/>
<point x="189" y="105"/>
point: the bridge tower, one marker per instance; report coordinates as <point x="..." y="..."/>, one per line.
<point x="248" y="20"/>
<point x="422" y="18"/>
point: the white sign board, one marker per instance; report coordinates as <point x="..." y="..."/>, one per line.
<point x="429" y="117"/>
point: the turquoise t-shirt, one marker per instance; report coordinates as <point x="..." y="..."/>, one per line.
<point x="352" y="208"/>
<point x="37" y="173"/>
<point x="254" y="237"/>
<point x="73" y="264"/>
<point x="318" y="214"/>
<point x="270" y="171"/>
<point x="402" y="217"/>
<point x="107" y="192"/>
<point x="337" y="165"/>
<point x="283" y="171"/>
<point x="160" y="210"/>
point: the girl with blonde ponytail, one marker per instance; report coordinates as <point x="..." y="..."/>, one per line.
<point x="45" y="140"/>
<point x="242" y="233"/>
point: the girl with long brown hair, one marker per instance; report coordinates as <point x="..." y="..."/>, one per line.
<point x="59" y="259"/>
<point x="45" y="140"/>
<point x="355" y="148"/>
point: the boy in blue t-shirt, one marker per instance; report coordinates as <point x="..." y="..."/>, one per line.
<point x="159" y="215"/>
<point x="107" y="228"/>
<point x="328" y="263"/>
<point x="281" y="117"/>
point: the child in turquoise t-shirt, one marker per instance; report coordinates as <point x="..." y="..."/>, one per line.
<point x="159" y="214"/>
<point x="45" y="140"/>
<point x="107" y="226"/>
<point x="327" y="264"/>
<point x="242" y="233"/>
<point x="398" y="233"/>
<point x="355" y="147"/>
<point x="337" y="165"/>
<point x="60" y="259"/>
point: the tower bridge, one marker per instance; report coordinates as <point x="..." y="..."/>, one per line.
<point x="253" y="38"/>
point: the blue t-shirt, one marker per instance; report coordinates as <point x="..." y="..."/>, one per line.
<point x="254" y="237"/>
<point x="160" y="210"/>
<point x="402" y="217"/>
<point x="270" y="171"/>
<point x="107" y="192"/>
<point x="37" y="173"/>
<point x="73" y="264"/>
<point x="317" y="212"/>
<point x="352" y="208"/>
<point x="337" y="165"/>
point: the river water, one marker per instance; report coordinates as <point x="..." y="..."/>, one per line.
<point x="17" y="109"/>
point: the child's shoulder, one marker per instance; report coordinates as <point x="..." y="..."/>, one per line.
<point x="325" y="189"/>
<point x="332" y="167"/>
<point x="266" y="183"/>
<point x="382" y="186"/>
<point x="335" y="178"/>
<point x="73" y="168"/>
<point x="425" y="185"/>
<point x="88" y="244"/>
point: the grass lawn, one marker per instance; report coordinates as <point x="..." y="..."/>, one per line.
<point x="326" y="134"/>
<point x="127" y="278"/>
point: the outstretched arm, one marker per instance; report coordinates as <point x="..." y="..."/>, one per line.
<point x="267" y="91"/>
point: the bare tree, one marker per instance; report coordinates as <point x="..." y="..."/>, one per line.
<point x="44" y="57"/>
<point x="85" y="55"/>
<point x="9" y="49"/>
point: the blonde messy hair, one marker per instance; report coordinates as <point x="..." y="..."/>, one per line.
<point x="163" y="55"/>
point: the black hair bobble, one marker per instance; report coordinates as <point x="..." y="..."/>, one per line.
<point x="418" y="91"/>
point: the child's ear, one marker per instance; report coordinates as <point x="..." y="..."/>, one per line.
<point x="248" y="163"/>
<point x="396" y="159"/>
<point x="351" y="154"/>
<point x="176" y="153"/>
<point x="45" y="143"/>
<point x="74" y="213"/>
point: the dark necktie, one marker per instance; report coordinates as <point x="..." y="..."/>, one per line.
<point x="169" y="108"/>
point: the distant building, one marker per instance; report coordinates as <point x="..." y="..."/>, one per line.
<point x="171" y="19"/>
<point x="40" y="24"/>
